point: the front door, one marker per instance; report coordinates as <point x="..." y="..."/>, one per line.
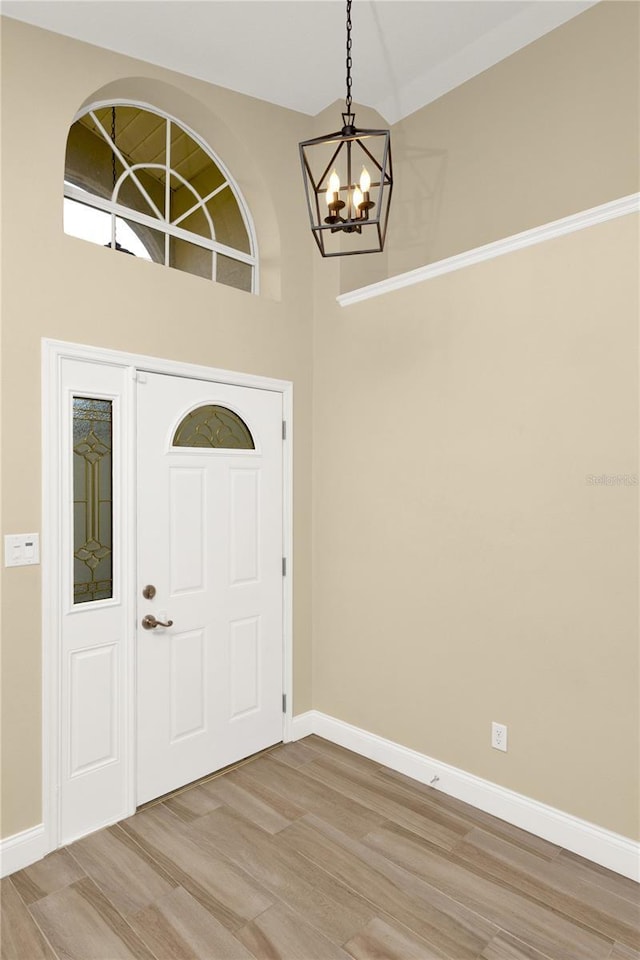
<point x="209" y="648"/>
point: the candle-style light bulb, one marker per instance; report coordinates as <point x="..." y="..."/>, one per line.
<point x="357" y="198"/>
<point x="365" y="180"/>
<point x="332" y="195"/>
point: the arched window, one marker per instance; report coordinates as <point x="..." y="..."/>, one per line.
<point x="137" y="180"/>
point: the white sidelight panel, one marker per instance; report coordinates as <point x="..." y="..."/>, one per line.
<point x="95" y="632"/>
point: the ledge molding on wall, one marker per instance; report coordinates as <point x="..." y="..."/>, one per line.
<point x="22" y="849"/>
<point x="601" y="846"/>
<point x="528" y="238"/>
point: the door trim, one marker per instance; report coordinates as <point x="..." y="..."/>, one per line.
<point x="53" y="353"/>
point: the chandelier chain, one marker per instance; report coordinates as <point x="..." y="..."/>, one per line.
<point x="349" y="60"/>
<point x="113" y="153"/>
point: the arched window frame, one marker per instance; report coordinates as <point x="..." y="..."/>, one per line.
<point x="160" y="223"/>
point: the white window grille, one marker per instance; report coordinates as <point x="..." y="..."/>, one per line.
<point x="158" y="181"/>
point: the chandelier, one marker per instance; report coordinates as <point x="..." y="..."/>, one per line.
<point x="348" y="182"/>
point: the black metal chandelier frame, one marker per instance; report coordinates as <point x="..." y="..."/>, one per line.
<point x="351" y="208"/>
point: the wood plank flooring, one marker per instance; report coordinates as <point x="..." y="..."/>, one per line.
<point x="311" y="852"/>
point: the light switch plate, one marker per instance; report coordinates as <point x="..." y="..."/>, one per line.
<point x="21" y="549"/>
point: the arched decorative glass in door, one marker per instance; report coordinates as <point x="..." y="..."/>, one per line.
<point x="213" y="426"/>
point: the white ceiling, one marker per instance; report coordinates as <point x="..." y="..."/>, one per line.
<point x="406" y="53"/>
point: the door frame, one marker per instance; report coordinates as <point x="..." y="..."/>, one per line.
<point x="53" y="353"/>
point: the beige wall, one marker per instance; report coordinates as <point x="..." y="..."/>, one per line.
<point x="57" y="286"/>
<point x="465" y="570"/>
<point x="462" y="568"/>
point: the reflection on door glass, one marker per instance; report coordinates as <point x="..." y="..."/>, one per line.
<point x="92" y="500"/>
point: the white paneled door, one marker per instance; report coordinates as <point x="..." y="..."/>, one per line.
<point x="210" y="683"/>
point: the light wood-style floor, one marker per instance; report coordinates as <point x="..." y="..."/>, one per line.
<point x="313" y="853"/>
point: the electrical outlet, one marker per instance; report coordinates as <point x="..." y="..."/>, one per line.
<point x="499" y="736"/>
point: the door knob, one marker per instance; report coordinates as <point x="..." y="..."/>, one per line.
<point x="150" y="623"/>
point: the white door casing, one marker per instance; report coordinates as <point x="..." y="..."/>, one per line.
<point x="210" y="542"/>
<point x="89" y="670"/>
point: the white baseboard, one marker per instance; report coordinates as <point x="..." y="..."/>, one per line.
<point x="22" y="849"/>
<point x="601" y="846"/>
<point x="586" y="839"/>
<point x="304" y="724"/>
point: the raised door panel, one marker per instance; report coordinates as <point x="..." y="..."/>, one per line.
<point x="188" y="684"/>
<point x="188" y="527"/>
<point x="93" y="698"/>
<point x="244" y="521"/>
<point x="244" y="666"/>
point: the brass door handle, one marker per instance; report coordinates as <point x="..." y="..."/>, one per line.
<point x="150" y="623"/>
